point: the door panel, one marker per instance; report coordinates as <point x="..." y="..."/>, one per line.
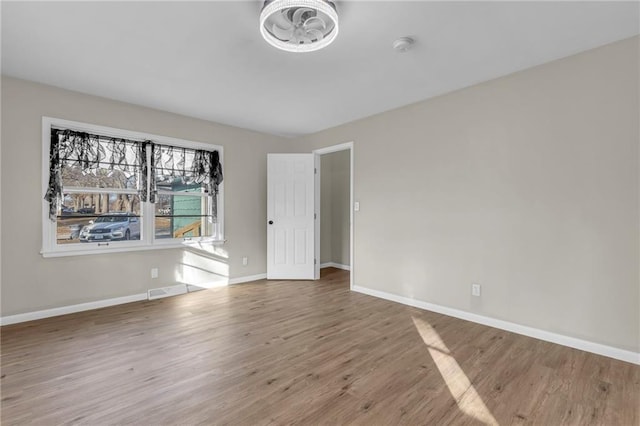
<point x="290" y="216"/>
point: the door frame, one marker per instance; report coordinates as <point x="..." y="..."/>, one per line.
<point x="347" y="146"/>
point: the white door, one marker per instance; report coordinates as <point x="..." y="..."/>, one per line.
<point x="290" y="216"/>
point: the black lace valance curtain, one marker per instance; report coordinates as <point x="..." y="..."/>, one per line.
<point x="54" y="190"/>
<point x="90" y="154"/>
<point x="171" y="164"/>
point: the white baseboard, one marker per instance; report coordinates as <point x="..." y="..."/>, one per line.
<point x="248" y="278"/>
<point x="54" y="312"/>
<point x="335" y="265"/>
<point x="572" y="342"/>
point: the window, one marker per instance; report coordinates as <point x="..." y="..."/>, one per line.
<point x="183" y="205"/>
<point x="113" y="190"/>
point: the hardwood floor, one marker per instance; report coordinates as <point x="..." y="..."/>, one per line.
<point x="299" y="352"/>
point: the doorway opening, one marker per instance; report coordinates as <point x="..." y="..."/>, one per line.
<point x="334" y="208"/>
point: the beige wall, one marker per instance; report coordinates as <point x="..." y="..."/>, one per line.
<point x="334" y="210"/>
<point x="527" y="184"/>
<point x="31" y="282"/>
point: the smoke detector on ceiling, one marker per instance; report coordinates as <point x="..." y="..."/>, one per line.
<point x="403" y="44"/>
<point x="299" y="25"/>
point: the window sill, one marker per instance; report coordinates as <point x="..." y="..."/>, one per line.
<point x="130" y="248"/>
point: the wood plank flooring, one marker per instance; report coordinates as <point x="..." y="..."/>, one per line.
<point x="298" y="352"/>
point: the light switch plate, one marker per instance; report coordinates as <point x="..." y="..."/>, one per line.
<point x="475" y="290"/>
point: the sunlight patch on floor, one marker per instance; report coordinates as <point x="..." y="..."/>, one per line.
<point x="466" y="396"/>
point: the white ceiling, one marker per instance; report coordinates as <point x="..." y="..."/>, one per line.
<point x="208" y="59"/>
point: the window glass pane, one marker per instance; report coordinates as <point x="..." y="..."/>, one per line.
<point x="173" y="162"/>
<point x="90" y="217"/>
<point x="100" y="162"/>
<point x="177" y="185"/>
<point x="182" y="216"/>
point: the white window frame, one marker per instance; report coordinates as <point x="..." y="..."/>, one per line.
<point x="147" y="241"/>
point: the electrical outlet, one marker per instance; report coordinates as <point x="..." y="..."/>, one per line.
<point x="245" y="261"/>
<point x="154" y="272"/>
<point x="475" y="290"/>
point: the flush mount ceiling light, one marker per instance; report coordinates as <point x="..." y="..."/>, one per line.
<point x="299" y="25"/>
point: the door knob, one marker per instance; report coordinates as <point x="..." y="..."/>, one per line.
<point x="270" y="222"/>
